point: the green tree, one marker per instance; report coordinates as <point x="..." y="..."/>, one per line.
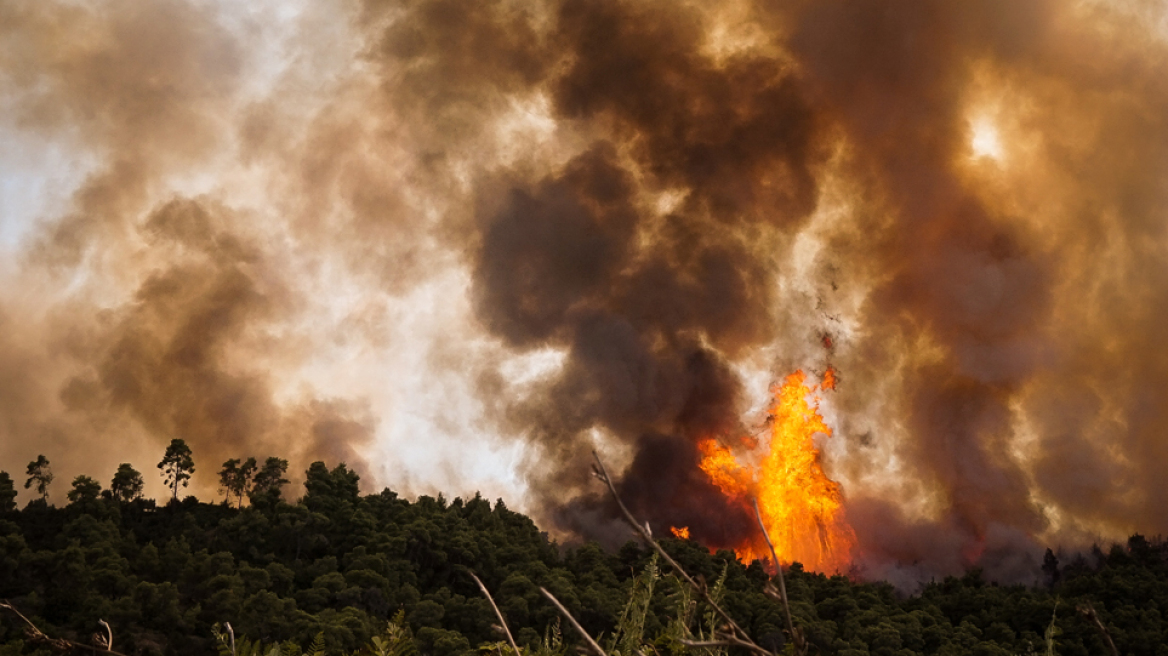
<point x="177" y="465"/>
<point x="327" y="490"/>
<point x="269" y="479"/>
<point x="7" y="493"/>
<point x="85" y="489"/>
<point x="40" y="475"/>
<point x="235" y="478"/>
<point x="127" y="484"/>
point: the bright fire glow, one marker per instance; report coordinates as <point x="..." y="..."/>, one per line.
<point x="985" y="141"/>
<point x="723" y="469"/>
<point x="829" y="380"/>
<point x="680" y="533"/>
<point x="800" y="506"/>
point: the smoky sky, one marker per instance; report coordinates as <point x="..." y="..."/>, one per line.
<point x="398" y="233"/>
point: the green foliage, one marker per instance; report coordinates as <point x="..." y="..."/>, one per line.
<point x="1052" y="630"/>
<point x="40" y="475"/>
<point x="177" y="465"/>
<point x="330" y="491"/>
<point x="226" y="644"/>
<point x="397" y="640"/>
<point x="318" y="646"/>
<point x="687" y="623"/>
<point x="552" y="643"/>
<point x="629" y="636"/>
<point x="710" y="619"/>
<point x="342" y="573"/>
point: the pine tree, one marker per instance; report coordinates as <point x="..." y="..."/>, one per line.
<point x="235" y="478"/>
<point x="177" y="465"/>
<point x="268" y="481"/>
<point x="40" y="475"/>
<point x="227" y="477"/>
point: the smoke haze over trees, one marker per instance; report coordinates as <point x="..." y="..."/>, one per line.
<point x="458" y="245"/>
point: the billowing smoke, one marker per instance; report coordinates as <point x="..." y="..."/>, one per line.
<point x="425" y="235"/>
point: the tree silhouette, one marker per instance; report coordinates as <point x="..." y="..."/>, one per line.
<point x="1050" y="569"/>
<point x="327" y="490"/>
<point x="40" y="475"/>
<point x="127" y="484"/>
<point x="235" y="478"/>
<point x="177" y="465"/>
<point x="227" y="477"/>
<point x="7" y="493"/>
<point x="85" y="489"/>
<point x="268" y="480"/>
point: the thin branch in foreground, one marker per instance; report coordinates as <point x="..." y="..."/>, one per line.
<point x="105" y="641"/>
<point x="796" y="636"/>
<point x="728" y="642"/>
<point x="56" y="644"/>
<point x="498" y="613"/>
<point x="1088" y="611"/>
<point x="579" y="629"/>
<point x="739" y="635"/>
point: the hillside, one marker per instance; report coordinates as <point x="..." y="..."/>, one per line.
<point x="340" y="564"/>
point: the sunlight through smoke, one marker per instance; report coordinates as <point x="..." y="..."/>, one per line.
<point x="986" y="142"/>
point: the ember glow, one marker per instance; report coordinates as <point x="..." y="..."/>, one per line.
<point x="801" y="507"/>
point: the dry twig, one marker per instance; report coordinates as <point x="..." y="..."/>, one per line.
<point x="231" y="634"/>
<point x="498" y="613"/>
<point x="108" y="640"/>
<point x="35" y="635"/>
<point x="738" y="636"/>
<point x="796" y="636"/>
<point x="579" y="629"/>
<point x="1088" y="611"/>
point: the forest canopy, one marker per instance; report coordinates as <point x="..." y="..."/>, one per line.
<point x="337" y="569"/>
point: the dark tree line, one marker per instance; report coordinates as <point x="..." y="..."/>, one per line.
<point x="238" y="477"/>
<point x="336" y="566"/>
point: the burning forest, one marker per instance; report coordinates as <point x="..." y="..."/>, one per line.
<point x="800" y="507"/>
<point x="893" y="269"/>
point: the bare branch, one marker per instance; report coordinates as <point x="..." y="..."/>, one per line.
<point x="729" y="642"/>
<point x="579" y="629"/>
<point x="230" y="632"/>
<point x="739" y="634"/>
<point x="498" y="613"/>
<point x="109" y="639"/>
<point x="796" y="637"/>
<point x="57" y="644"/>
<point x="1088" y="611"/>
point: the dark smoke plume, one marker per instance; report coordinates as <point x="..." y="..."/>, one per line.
<point x="401" y="234"/>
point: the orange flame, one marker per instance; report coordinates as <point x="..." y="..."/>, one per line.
<point x="829" y="379"/>
<point x="723" y="469"/>
<point x="801" y="507"/>
<point x="680" y="533"/>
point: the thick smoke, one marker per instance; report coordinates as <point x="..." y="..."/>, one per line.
<point x="557" y="226"/>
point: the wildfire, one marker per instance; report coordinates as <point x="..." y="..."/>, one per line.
<point x="829" y="380"/>
<point x="800" y="506"/>
<point x="723" y="469"/>
<point x="680" y="533"/>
